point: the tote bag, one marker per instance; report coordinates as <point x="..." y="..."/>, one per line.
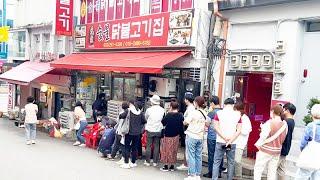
<point x="309" y="157"/>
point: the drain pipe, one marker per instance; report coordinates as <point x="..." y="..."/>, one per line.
<point x="225" y="27"/>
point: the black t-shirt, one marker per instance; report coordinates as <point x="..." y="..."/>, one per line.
<point x="173" y="123"/>
<point x="287" y="142"/>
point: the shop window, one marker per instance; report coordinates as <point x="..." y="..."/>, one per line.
<point x="313" y="26"/>
<point x="123" y="88"/>
<point x="105" y="84"/>
<point x="17" y="44"/>
<point x="46" y="42"/>
<point x="87" y="92"/>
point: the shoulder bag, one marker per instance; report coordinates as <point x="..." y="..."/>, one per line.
<point x="309" y="157"/>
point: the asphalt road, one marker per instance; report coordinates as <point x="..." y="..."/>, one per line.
<point x="56" y="159"/>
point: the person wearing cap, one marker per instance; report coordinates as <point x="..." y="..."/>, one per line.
<point x="154" y="116"/>
<point x="188" y="100"/>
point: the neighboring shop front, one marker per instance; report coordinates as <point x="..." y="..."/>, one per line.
<point x="134" y="58"/>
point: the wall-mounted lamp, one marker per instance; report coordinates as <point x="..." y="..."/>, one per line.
<point x="44" y="88"/>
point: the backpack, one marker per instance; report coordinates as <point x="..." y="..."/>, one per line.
<point x="106" y="141"/>
<point x="124" y="127"/>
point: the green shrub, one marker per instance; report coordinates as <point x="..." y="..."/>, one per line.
<point x="307" y="119"/>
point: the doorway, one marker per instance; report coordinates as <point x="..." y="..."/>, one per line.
<point x="255" y="91"/>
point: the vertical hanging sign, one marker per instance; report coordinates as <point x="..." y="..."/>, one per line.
<point x="110" y="12"/>
<point x="119" y="9"/>
<point x="156" y="6"/>
<point x="89" y="11"/>
<point x="64" y="17"/>
<point x="135" y="7"/>
<point x="102" y="13"/>
<point x="83" y="12"/>
<point x="96" y="6"/>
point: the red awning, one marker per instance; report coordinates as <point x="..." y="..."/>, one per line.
<point x="26" y="72"/>
<point x="135" y="62"/>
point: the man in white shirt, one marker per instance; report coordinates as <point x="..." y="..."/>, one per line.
<point x="242" y="140"/>
<point x="227" y="123"/>
<point x="188" y="100"/>
<point x="154" y="116"/>
<point x="30" y="121"/>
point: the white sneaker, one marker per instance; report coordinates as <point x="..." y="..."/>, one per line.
<point x="109" y="156"/>
<point x="133" y="164"/>
<point x="125" y="166"/>
<point x="155" y="164"/>
<point x="28" y="143"/>
<point x="190" y="178"/>
<point x="146" y="163"/>
<point x="77" y="143"/>
<point x="33" y="142"/>
<point x="121" y="161"/>
<point x="225" y="171"/>
<point x="182" y="167"/>
<point x="82" y="145"/>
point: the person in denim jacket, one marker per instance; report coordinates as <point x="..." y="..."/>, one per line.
<point x="307" y="137"/>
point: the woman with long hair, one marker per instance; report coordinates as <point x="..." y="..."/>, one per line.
<point x="80" y="117"/>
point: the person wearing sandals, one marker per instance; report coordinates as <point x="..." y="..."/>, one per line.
<point x="173" y="123"/>
<point x="80" y="116"/>
<point x="309" y="156"/>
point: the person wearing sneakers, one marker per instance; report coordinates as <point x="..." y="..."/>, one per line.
<point x="272" y="136"/>
<point x="173" y="123"/>
<point x="30" y="122"/>
<point x="117" y="142"/>
<point x="80" y="116"/>
<point x="188" y="100"/>
<point x="136" y="120"/>
<point x="154" y="116"/>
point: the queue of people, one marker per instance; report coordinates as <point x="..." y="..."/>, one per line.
<point x="228" y="132"/>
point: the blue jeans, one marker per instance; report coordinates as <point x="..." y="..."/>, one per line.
<point x="83" y="125"/>
<point x="31" y="130"/>
<point x="211" y="144"/>
<point x="194" y="153"/>
<point x="218" y="156"/>
<point x="307" y="174"/>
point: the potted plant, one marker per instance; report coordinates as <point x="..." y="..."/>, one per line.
<point x="307" y="119"/>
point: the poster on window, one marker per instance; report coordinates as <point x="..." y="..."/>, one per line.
<point x="83" y="12"/>
<point x="119" y="9"/>
<point x="175" y="5"/>
<point x="127" y="8"/>
<point x="110" y="11"/>
<point x="179" y="37"/>
<point x="96" y="6"/>
<point x="156" y="6"/>
<point x="89" y="11"/>
<point x="102" y="13"/>
<point x="135" y="8"/>
<point x="186" y="4"/>
<point x="180" y="19"/>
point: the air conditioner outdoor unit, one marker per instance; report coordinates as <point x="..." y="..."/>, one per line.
<point x="66" y="119"/>
<point x="256" y="61"/>
<point x="280" y="48"/>
<point x="267" y="61"/>
<point x="277" y="88"/>
<point x="245" y="61"/>
<point x="234" y="61"/>
<point x="165" y="87"/>
<point x="278" y="67"/>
